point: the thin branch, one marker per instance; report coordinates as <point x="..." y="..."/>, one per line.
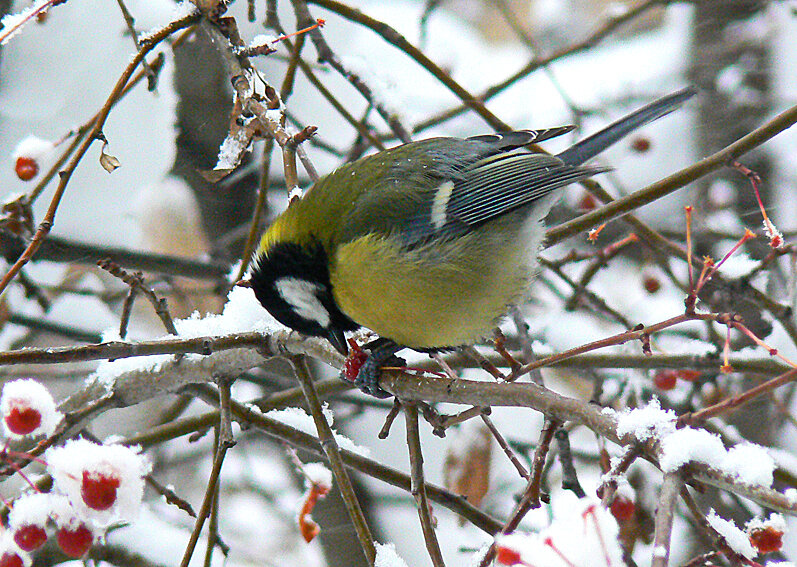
<point x="674" y="181"/>
<point x="207" y="502"/>
<point x="418" y="487"/>
<point x="665" y="512"/>
<point x="65" y="175"/>
<point x="332" y="452"/>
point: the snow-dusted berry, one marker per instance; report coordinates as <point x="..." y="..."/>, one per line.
<point x="767" y="535"/>
<point x="104" y="483"/>
<point x="26" y="168"/>
<point x="28" y="409"/>
<point x="23" y="420"/>
<point x="27" y="521"/>
<point x="73" y="534"/>
<point x="623" y="508"/>
<point x="75" y="542"/>
<point x="11" y="555"/>
<point x="98" y="489"/>
<point x="28" y="156"/>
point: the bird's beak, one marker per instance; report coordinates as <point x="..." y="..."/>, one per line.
<point x="338" y="340"/>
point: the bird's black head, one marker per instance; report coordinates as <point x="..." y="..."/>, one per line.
<point x="292" y="282"/>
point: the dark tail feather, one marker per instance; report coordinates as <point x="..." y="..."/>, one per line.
<point x="595" y="144"/>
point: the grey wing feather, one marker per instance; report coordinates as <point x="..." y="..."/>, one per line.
<point x="501" y="185"/>
<point x="505" y="141"/>
<point x="490" y="188"/>
<point x="488" y="182"/>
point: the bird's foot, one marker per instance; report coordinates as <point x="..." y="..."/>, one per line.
<point x="370" y="365"/>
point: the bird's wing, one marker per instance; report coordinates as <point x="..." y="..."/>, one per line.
<point x="404" y="191"/>
<point x="487" y="189"/>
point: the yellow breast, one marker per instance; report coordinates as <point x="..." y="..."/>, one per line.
<point x="440" y="295"/>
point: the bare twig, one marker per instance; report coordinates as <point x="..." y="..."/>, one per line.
<point x="569" y="475"/>
<point x="207" y="502"/>
<point x="531" y="496"/>
<point x="665" y="512"/>
<point x="332" y="452"/>
<point x="96" y="128"/>
<point x="418" y="485"/>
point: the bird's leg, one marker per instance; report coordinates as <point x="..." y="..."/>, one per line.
<point x="381" y="350"/>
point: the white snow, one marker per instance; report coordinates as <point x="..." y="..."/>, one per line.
<point x="318" y="474"/>
<point x="242" y="313"/>
<point x="33" y="147"/>
<point x="387" y="556"/>
<point x="646" y="422"/>
<point x="232" y="149"/>
<point x="735" y="537"/>
<point x="64" y="514"/>
<point x="738" y="265"/>
<point x="747" y="462"/>
<point x="775" y="521"/>
<point x="30" y="510"/>
<point x="303" y="421"/>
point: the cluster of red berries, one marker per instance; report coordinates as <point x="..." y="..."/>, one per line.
<point x="94" y="484"/>
<point x="667" y="378"/>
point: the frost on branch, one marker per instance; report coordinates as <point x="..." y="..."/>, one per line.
<point x="735" y="537"/>
<point x="387" y="556"/>
<point x="748" y="463"/>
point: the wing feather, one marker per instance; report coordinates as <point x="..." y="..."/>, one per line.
<point x="489" y="188"/>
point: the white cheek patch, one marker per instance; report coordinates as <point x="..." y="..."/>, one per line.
<point x="302" y="296"/>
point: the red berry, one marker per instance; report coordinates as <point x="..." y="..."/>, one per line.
<point x="75" y="542"/>
<point x="23" y="420"/>
<point x="588" y="202"/>
<point x="99" y="489"/>
<point x="688" y="375"/>
<point x="665" y="379"/>
<point x="640" y="144"/>
<point x="652" y="284"/>
<point x="26" y="168"/>
<point x="30" y="537"/>
<point x="622" y="509"/>
<point x="507" y="556"/>
<point x="353" y="362"/>
<point x="11" y="559"/>
<point x="766" y="539"/>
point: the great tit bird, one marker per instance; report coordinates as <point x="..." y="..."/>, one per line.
<point x="427" y="244"/>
